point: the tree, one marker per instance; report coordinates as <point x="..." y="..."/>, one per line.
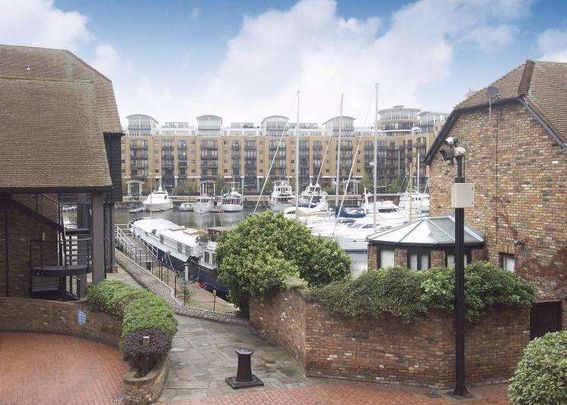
<point x="265" y="249"/>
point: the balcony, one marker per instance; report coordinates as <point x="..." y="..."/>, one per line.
<point x="235" y="146"/>
<point x="207" y="156"/>
<point x="209" y="145"/>
<point x="250" y="146"/>
<point x="137" y="146"/>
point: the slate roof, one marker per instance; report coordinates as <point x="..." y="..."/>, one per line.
<point x="50" y="136"/>
<point x="542" y="86"/>
<point x="43" y="63"/>
<point x="426" y="232"/>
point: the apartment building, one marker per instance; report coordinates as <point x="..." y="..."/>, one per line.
<point x="175" y="154"/>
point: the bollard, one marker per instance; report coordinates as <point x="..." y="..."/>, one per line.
<point x="244" y="377"/>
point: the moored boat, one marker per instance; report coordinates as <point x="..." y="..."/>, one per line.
<point x="232" y="201"/>
<point x="158" y="200"/>
<point x="282" y="196"/>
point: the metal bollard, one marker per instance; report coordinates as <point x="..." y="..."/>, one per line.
<point x="244" y="377"/>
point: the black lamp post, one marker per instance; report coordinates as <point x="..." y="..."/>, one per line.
<point x="460" y="388"/>
<point x="462" y="196"/>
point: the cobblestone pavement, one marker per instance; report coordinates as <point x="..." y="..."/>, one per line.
<point x="54" y="369"/>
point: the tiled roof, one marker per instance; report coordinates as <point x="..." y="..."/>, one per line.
<point x="541" y="86"/>
<point x="544" y="86"/>
<point x="50" y="136"/>
<point x="42" y="63"/>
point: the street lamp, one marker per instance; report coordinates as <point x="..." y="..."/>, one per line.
<point x="462" y="197"/>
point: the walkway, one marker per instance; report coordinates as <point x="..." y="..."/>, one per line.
<point x="203" y="356"/>
<point x="54" y="369"/>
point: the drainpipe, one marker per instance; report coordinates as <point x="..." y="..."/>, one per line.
<point x="6" y="204"/>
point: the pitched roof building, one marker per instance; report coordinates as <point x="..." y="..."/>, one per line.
<point x="516" y="156"/>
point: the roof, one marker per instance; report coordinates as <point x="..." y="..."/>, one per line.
<point x="540" y="86"/>
<point x="60" y="64"/>
<point x="426" y="232"/>
<point x="50" y="136"/>
<point x="141" y="115"/>
<point x="338" y="117"/>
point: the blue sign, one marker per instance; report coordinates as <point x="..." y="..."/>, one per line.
<point x="81" y="317"/>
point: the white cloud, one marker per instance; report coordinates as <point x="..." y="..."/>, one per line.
<point x="312" y="48"/>
<point x="195" y="13"/>
<point x="552" y="44"/>
<point x="40" y="23"/>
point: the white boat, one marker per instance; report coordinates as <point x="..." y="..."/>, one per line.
<point x="136" y="210"/>
<point x="185" y="207"/>
<point x="158" y="200"/>
<point x="232" y="201"/>
<point x="312" y="196"/>
<point x="203" y="205"/>
<point x="381" y="206"/>
<point x="282" y="196"/>
<point x="217" y="204"/>
<point x="417" y="202"/>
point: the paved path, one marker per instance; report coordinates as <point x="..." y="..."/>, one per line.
<point x="37" y="368"/>
<point x="203" y="356"/>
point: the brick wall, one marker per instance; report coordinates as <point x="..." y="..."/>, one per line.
<point x="21" y="229"/>
<point x="32" y="315"/>
<point x="520" y="177"/>
<point x="386" y="349"/>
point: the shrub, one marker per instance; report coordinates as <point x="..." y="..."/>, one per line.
<point x="266" y="249"/>
<point x="143" y="314"/>
<point x="405" y="293"/>
<point x="143" y="357"/>
<point x="541" y="375"/>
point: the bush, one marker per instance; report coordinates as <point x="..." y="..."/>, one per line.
<point x="143" y="314"/>
<point x="265" y="250"/>
<point x="143" y="357"/>
<point x="406" y="293"/>
<point x="541" y="376"/>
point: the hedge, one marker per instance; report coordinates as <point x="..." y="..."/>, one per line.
<point x="143" y="314"/>
<point x="405" y="293"/>
<point x="541" y="375"/>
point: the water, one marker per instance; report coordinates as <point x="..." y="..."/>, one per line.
<point x="204" y="221"/>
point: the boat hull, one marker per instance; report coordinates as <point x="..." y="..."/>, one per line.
<point x="165" y="206"/>
<point x="232" y="207"/>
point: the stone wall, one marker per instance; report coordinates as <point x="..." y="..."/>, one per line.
<point x="32" y="315"/>
<point x="419" y="352"/>
<point x="146" y="389"/>
<point x="520" y="178"/>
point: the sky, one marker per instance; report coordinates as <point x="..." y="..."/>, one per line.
<point x="245" y="60"/>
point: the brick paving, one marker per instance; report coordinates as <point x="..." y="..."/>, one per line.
<point x="343" y="393"/>
<point x="54" y="369"/>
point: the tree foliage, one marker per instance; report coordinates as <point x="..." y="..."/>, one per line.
<point x="541" y="376"/>
<point x="406" y="293"/>
<point x="266" y="249"/>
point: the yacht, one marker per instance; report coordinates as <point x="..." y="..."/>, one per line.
<point x="417" y="202"/>
<point x="185" y="207"/>
<point x="158" y="200"/>
<point x="203" y="205"/>
<point x="282" y="196"/>
<point x="232" y="201"/>
<point x="381" y="206"/>
<point x="312" y="196"/>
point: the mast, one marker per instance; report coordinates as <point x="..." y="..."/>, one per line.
<point x="339" y="153"/>
<point x="418" y="173"/>
<point x="375" y="169"/>
<point x="297" y="160"/>
<point x="410" y="192"/>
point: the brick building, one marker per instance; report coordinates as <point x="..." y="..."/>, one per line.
<point x="176" y="154"/>
<point x="517" y="159"/>
<point x="60" y="146"/>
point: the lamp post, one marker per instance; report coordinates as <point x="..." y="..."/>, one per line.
<point x="460" y="388"/>
<point x="462" y="196"/>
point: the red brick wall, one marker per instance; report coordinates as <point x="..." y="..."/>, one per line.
<point x="282" y="319"/>
<point x="525" y="202"/>
<point x="33" y="315"/>
<point x="386" y="349"/>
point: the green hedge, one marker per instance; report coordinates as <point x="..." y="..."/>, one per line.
<point x="143" y="314"/>
<point x="406" y="293"/>
<point x="541" y="376"/>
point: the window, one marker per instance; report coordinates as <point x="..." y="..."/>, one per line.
<point x="206" y="257"/>
<point x="508" y="262"/>
<point x="451" y="260"/>
<point x="180" y="247"/>
<point x="386" y="258"/>
<point x="161" y="238"/>
<point x="187" y="251"/>
<point x="418" y="261"/>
